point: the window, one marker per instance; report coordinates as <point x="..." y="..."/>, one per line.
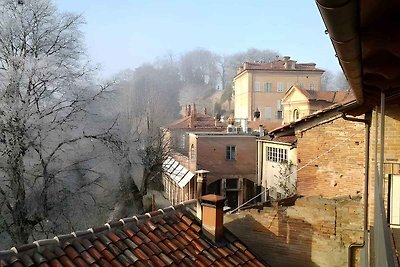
<point x="279" y="114"/>
<point x="312" y="86"/>
<point x="296" y="114"/>
<point x="279" y="104"/>
<point x="268" y="113"/>
<point x="275" y="154"/>
<point x="257" y="86"/>
<point x="231" y="152"/>
<point x="281" y="87"/>
<point x="231" y="184"/>
<point x="268" y="87"/>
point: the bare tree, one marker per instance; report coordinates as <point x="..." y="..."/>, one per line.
<point x="45" y="89"/>
<point x="145" y="99"/>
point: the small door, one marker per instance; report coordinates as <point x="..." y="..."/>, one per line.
<point x="394" y="200"/>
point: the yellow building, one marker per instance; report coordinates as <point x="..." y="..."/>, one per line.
<point x="298" y="102"/>
<point x="261" y="86"/>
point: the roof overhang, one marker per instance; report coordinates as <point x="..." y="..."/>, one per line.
<point x="365" y="35"/>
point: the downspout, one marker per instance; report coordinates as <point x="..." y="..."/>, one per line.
<point x="367" y="122"/>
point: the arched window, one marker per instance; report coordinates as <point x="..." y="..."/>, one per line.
<point x="296" y="114"/>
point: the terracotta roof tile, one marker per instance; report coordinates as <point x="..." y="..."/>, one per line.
<point x="165" y="259"/>
<point x="154" y="248"/>
<point x="95" y="253"/>
<point x="173" y="238"/>
<point x="104" y="263"/>
<point x="164" y="248"/>
<point x="80" y="262"/>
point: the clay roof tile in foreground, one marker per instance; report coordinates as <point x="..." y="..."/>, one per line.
<point x="167" y="237"/>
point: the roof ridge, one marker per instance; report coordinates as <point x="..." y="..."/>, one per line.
<point x="58" y="239"/>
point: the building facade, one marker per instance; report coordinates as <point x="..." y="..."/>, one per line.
<point x="261" y="86"/>
<point x="276" y="167"/>
<point x="231" y="161"/>
<point x="299" y="102"/>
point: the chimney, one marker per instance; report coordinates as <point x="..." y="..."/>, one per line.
<point x="192" y="114"/>
<point x="205" y="111"/>
<point x="189" y="110"/>
<point x="186" y="111"/>
<point x="213" y="217"/>
<point x="201" y="188"/>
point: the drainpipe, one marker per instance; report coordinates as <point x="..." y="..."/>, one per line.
<point x="367" y="122"/>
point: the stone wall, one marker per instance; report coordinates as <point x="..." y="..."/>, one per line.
<point x="335" y="173"/>
<point x="313" y="232"/>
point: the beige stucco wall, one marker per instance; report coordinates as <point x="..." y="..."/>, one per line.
<point x="247" y="100"/>
<point x="295" y="100"/>
<point x="242" y="96"/>
<point x="268" y="171"/>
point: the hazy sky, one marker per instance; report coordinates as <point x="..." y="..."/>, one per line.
<point x="126" y="33"/>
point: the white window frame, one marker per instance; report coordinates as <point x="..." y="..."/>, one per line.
<point x="280" y="87"/>
<point x="275" y="154"/>
<point x="268" y="87"/>
<point x="257" y="87"/>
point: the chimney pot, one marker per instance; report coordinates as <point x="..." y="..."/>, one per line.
<point x="213" y="217"/>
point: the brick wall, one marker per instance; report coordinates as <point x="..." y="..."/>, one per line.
<point x="211" y="156"/>
<point x="338" y="172"/>
<point x="314" y="232"/>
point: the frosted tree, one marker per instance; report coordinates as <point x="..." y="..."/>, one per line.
<point x="45" y="90"/>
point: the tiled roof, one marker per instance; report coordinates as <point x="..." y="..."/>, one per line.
<point x="201" y="121"/>
<point x="289" y="139"/>
<point x="337" y="108"/>
<point x="328" y="96"/>
<point x="279" y="65"/>
<point x="167" y="237"/>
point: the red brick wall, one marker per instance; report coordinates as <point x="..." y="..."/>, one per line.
<point x="211" y="156"/>
<point x="338" y="172"/>
<point x="314" y="232"/>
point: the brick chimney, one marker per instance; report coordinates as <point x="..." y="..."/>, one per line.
<point x="213" y="217"/>
<point x="192" y="114"/>
<point x="201" y="188"/>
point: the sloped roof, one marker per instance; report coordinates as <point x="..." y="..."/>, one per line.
<point x="177" y="172"/>
<point x="167" y="237"/>
<point x="202" y="121"/>
<point x="327" y="96"/>
<point x="333" y="111"/>
<point x="289" y="139"/>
